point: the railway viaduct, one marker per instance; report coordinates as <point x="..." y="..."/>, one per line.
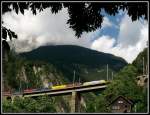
<point x="75" y="92"/>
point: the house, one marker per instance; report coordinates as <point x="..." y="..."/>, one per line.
<point x="121" y="105"/>
<point x="142" y="80"/>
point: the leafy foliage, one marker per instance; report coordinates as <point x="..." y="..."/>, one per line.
<point x="11" y="69"/>
<point x="138" y="62"/>
<point x="12" y="73"/>
<point x="8" y="32"/>
<point x="33" y="80"/>
<point x="5" y="48"/>
<point x="29" y="105"/>
<point x="124" y="84"/>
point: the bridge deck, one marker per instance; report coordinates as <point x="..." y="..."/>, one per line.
<point x="67" y="91"/>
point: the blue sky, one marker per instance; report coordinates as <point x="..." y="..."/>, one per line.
<point x="118" y="35"/>
<point x="113" y="30"/>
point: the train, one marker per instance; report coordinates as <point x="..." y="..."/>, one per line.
<point x="6" y="93"/>
<point x="63" y="86"/>
<point x="66" y="86"/>
<point x="94" y="82"/>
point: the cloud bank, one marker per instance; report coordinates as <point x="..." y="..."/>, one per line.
<point x="47" y="28"/>
<point x="42" y="29"/>
<point x="131" y="40"/>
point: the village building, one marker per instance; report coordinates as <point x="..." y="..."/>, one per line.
<point x="121" y="105"/>
<point x="142" y="80"/>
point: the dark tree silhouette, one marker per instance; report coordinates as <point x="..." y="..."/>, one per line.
<point x="5" y="50"/>
<point x="83" y="16"/>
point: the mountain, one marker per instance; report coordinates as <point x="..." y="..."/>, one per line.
<point x="56" y="64"/>
<point x="138" y="62"/>
<point x="88" y="64"/>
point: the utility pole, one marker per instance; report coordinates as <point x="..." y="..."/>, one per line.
<point x="107" y="72"/>
<point x="37" y="83"/>
<point x="20" y="86"/>
<point x="74" y="76"/>
<point x="79" y="80"/>
<point x="27" y="84"/>
<point x="112" y="75"/>
<point x="135" y="108"/>
<point x="146" y="71"/>
<point x="143" y="65"/>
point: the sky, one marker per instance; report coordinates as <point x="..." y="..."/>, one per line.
<point x="118" y="35"/>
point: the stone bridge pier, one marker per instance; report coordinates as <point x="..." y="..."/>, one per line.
<point x="75" y="102"/>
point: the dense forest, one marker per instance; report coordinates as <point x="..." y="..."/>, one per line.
<point x="124" y="83"/>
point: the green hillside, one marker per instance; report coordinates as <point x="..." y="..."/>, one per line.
<point x="88" y="64"/>
<point x="138" y="62"/>
<point x="124" y="83"/>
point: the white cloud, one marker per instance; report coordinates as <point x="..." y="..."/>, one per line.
<point x="132" y="40"/>
<point x="103" y="43"/>
<point x="44" y="28"/>
<point x="106" y="22"/>
<point x="129" y="32"/>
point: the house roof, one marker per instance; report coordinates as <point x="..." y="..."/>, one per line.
<point x="129" y="101"/>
